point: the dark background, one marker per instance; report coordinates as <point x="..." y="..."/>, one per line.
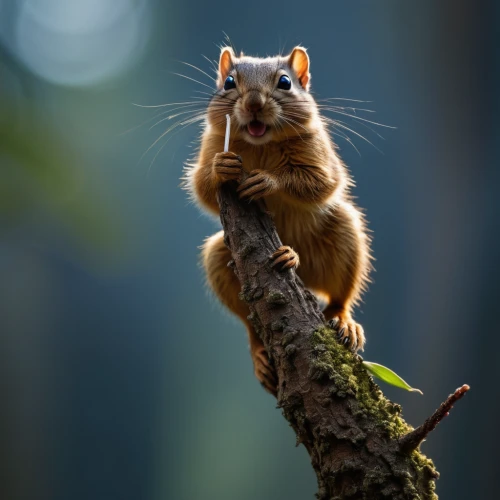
<point x="120" y="377"/>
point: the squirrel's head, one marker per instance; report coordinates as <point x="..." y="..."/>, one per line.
<point x="267" y="99"/>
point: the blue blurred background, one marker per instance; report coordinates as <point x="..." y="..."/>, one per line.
<point x="120" y="377"/>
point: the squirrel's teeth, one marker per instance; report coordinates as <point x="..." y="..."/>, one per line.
<point x="256" y="128"/>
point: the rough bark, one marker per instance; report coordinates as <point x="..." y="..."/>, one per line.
<point x="354" y="435"/>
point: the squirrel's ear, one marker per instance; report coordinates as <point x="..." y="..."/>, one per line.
<point x="299" y="62"/>
<point x="225" y="64"/>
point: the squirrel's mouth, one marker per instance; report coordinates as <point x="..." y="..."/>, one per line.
<point x="256" y="128"/>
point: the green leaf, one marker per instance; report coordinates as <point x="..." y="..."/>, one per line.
<point x="388" y="376"/>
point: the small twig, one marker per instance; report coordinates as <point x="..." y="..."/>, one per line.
<point x="413" y="439"/>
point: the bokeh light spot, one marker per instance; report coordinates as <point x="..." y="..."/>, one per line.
<point x="71" y="42"/>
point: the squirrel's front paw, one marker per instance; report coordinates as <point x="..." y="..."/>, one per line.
<point x="264" y="371"/>
<point x="349" y="333"/>
<point x="285" y="258"/>
<point x="258" y="184"/>
<point x="227" y="166"/>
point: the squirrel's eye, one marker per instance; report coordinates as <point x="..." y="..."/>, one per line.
<point x="229" y="83"/>
<point x="284" y="83"/>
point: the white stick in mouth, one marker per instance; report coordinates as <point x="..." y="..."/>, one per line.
<point x="228" y="130"/>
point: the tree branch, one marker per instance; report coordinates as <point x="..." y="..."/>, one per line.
<point x="412" y="440"/>
<point x="359" y="445"/>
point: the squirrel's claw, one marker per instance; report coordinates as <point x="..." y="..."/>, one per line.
<point x="256" y="185"/>
<point x="227" y="166"/>
<point x="285" y="258"/>
<point x="264" y="371"/>
<point x="349" y="333"/>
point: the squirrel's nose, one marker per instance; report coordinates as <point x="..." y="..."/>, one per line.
<point x="254" y="102"/>
<point x="254" y="106"/>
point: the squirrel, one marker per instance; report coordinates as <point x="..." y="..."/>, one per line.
<point x="284" y="154"/>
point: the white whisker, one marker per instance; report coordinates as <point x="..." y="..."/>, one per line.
<point x="198" y="69"/>
<point x="333" y="110"/>
<point x="193" y="80"/>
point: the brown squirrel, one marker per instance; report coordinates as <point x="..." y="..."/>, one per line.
<point x="282" y="143"/>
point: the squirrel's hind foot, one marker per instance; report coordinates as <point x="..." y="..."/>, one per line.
<point x="349" y="333"/>
<point x="285" y="258"/>
<point x="264" y="371"/>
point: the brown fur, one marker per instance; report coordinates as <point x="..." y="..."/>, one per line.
<point x="296" y="169"/>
